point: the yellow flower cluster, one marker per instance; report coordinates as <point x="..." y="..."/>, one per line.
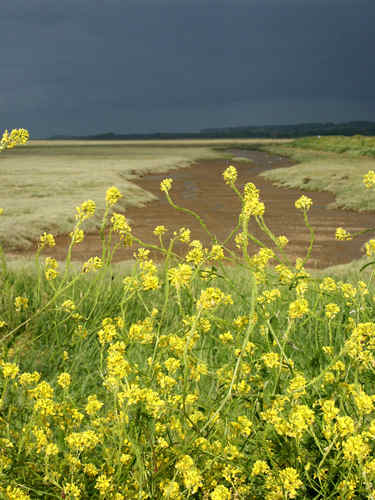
<point x="369" y="179"/>
<point x="343" y="235"/>
<point x="303" y="203"/>
<point x="166" y="185"/>
<point x="161" y="392"/>
<point x="46" y="240"/>
<point x="93" y="264"/>
<point x="230" y="175"/>
<point x="15" y="137"/>
<point x="112" y="196"/>
<point x="85" y="210"/>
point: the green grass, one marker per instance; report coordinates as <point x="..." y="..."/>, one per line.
<point x="355" y="146"/>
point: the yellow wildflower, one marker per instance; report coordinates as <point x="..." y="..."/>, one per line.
<point x="332" y="310"/>
<point x="221" y="493"/>
<point x="166" y="185"/>
<point x="46" y="240"/>
<point x="93" y="405"/>
<point x="290" y="481"/>
<point x="230" y="175"/>
<point x="14" y="493"/>
<point x="369" y="179"/>
<point x="159" y="230"/>
<point x="303" y="203"/>
<point x="64" y="380"/>
<point x="21" y="303"/>
<point x="298" y="308"/>
<point x="343" y="235"/>
<point x="10" y="370"/>
<point x="112" y="196"/>
<point x="85" y="210"/>
<point x="93" y="264"/>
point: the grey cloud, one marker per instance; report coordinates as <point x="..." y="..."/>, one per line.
<point x="125" y="58"/>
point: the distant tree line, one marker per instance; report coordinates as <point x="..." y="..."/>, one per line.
<point x="265" y="131"/>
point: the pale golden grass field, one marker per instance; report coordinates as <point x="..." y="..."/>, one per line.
<point x="42" y="183"/>
<point x="339" y="174"/>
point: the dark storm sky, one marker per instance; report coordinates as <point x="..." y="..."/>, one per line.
<point x="88" y="66"/>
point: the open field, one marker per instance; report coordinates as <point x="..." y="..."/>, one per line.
<point x="64" y="175"/>
<point x="40" y="185"/>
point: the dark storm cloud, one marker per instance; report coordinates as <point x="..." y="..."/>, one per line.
<point x="84" y="66"/>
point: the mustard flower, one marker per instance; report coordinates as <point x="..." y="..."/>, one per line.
<point x="81" y="441"/>
<point x="345" y="425"/>
<point x="332" y="310"/>
<point x="64" y="380"/>
<point x="85" y="210"/>
<point x="285" y="274"/>
<point x="46" y="240"/>
<point x="226" y="337"/>
<point x="290" y="481"/>
<point x="172" y="365"/>
<point x="14" y="493"/>
<point x="166" y="185"/>
<point x="50" y="274"/>
<point x="369" y="179"/>
<point x="196" y="254"/>
<point x="355" y="447"/>
<point x="112" y="196"/>
<point x="230" y="175"/>
<point x="93" y="405"/>
<point x="159" y="230"/>
<point x="90" y="470"/>
<point x="10" y="370"/>
<point x="68" y="305"/>
<point x="51" y="449"/>
<point x="298" y="308"/>
<point x="1" y="211"/>
<point x="2" y="323"/>
<point x="72" y="491"/>
<point x="170" y="489"/>
<point x="29" y="378"/>
<point x="260" y="467"/>
<point x="212" y="297"/>
<point x="77" y="236"/>
<point x="370" y="248"/>
<point x="328" y="285"/>
<point x="261" y="259"/>
<point x="221" y="493"/>
<point x="42" y="390"/>
<point x="343" y="235"/>
<point x="282" y="241"/>
<point x="303" y="203"/>
<point x="104" y="484"/>
<point x="21" y="303"/>
<point x="252" y="207"/>
<point x="184" y="235"/>
<point x="297" y="385"/>
<point x="93" y="264"/>
<point x="191" y="476"/>
<point x="180" y="276"/>
<point x="271" y="359"/>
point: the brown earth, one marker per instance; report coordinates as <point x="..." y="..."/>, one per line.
<point x="201" y="188"/>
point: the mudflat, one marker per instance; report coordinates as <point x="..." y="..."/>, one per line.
<point x="201" y="188"/>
